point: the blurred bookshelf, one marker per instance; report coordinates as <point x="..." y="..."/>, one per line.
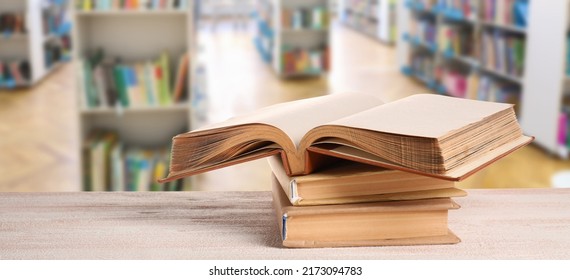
<point x="375" y="18"/>
<point x="134" y="65"/>
<point x="293" y="36"/>
<point x="506" y="51"/>
<point x="34" y="40"/>
<point x="545" y="105"/>
<point x="477" y="49"/>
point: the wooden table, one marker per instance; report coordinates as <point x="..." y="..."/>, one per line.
<point x="493" y="224"/>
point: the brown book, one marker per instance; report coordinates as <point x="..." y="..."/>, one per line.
<point x="352" y="182"/>
<point x="444" y="137"/>
<point x="181" y="78"/>
<point x="414" y="222"/>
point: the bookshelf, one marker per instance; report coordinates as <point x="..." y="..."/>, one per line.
<point x="543" y="85"/>
<point x="544" y="107"/>
<point x="141" y="96"/>
<point x="37" y="42"/>
<point x="476" y="49"/>
<point x="293" y="36"/>
<point x="375" y="18"/>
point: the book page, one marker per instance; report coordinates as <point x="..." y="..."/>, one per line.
<point x="298" y="117"/>
<point x="423" y="115"/>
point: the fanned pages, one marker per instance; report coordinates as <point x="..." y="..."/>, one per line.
<point x="363" y="224"/>
<point x="444" y="137"/>
<point x="352" y="182"/>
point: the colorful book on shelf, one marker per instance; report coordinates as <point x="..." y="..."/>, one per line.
<point x="303" y="61"/>
<point x="350" y="182"/>
<point x="426" y="134"/>
<point x="130" y="5"/>
<point x="414" y="222"/>
<point x="12" y="23"/>
<point x="97" y="159"/>
<point x="136" y="84"/>
<point x="181" y="84"/>
<point x="109" y="166"/>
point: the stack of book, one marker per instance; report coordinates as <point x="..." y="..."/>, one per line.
<point x="413" y="148"/>
<point x="353" y="204"/>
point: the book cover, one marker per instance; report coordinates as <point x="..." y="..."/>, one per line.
<point x="363" y="224"/>
<point x="350" y="182"/>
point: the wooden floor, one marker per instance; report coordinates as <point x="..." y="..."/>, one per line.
<point x="38" y="127"/>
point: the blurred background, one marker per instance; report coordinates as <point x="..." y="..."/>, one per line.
<point x="92" y="91"/>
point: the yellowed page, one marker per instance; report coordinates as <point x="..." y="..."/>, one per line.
<point x="298" y="117"/>
<point x="423" y="115"/>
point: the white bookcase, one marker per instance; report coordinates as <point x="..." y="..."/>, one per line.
<point x="137" y="35"/>
<point x="28" y="46"/>
<point x="273" y="37"/>
<point x="545" y="82"/>
<point x="375" y="18"/>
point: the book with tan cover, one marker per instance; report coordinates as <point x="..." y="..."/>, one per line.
<point x="353" y="182"/>
<point x="432" y="135"/>
<point x="415" y="222"/>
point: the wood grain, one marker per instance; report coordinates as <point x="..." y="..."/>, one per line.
<point x="493" y="224"/>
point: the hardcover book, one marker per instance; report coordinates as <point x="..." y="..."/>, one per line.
<point x="416" y="222"/>
<point x="431" y="135"/>
<point x="352" y="182"/>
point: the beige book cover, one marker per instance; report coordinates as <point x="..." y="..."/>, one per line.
<point x="418" y="222"/>
<point x="443" y="137"/>
<point x="353" y="182"/>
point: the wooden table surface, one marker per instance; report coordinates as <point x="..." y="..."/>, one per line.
<point x="493" y="224"/>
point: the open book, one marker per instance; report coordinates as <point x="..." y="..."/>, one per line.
<point x="444" y="137"/>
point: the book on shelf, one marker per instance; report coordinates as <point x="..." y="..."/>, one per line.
<point x="108" y="82"/>
<point x="503" y="52"/>
<point x="425" y="134"/>
<point x="563" y="132"/>
<point x="454" y="82"/>
<point x="305" y="18"/>
<point x="413" y="222"/>
<point x="304" y="61"/>
<point x="15" y="73"/>
<point x="350" y="182"/>
<point x="463" y="9"/>
<point x="456" y="40"/>
<point x="422" y="65"/>
<point x="505" y="12"/>
<point x="12" y="23"/>
<point x="423" y="30"/>
<point x="109" y="166"/>
<point x="130" y="5"/>
<point x="497" y="90"/>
